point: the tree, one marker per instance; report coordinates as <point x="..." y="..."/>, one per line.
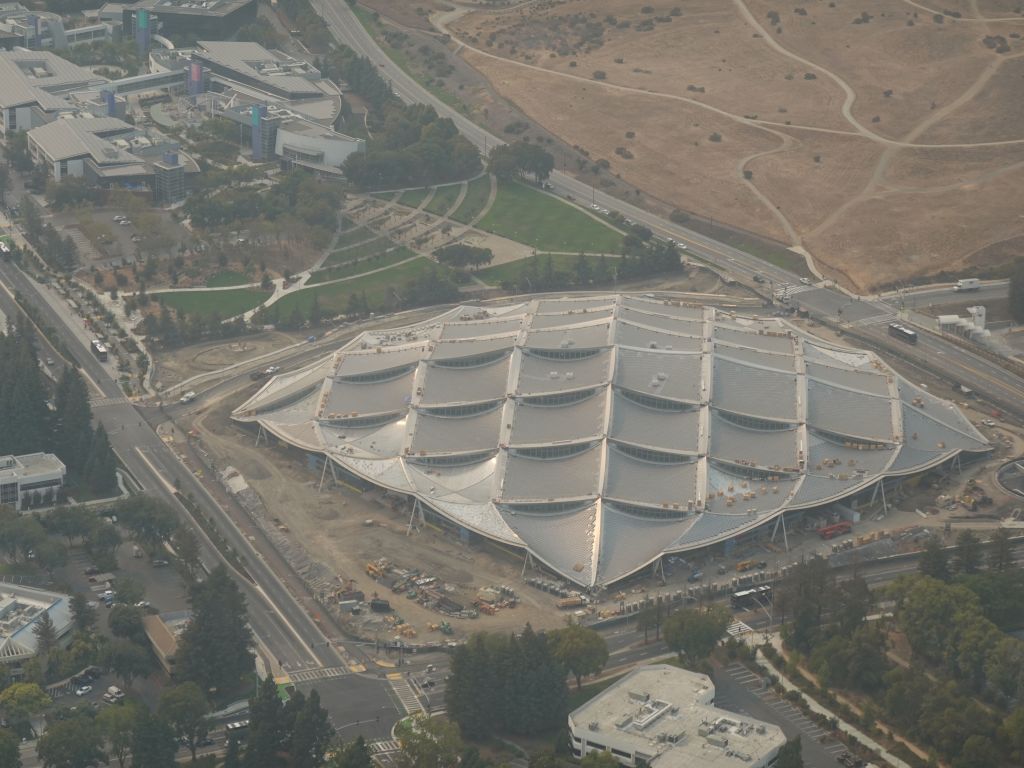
<point x="126" y="621"/>
<point x="129" y="590"/>
<point x="233" y="754"/>
<point x="153" y="744"/>
<point x="790" y="755"/>
<point x="100" y="467"/>
<point x="10" y="754"/>
<point x="117" y="726"/>
<point x="74" y="743"/>
<point x="150" y="521"/>
<point x="354" y="754"/>
<point x="185" y="708"/>
<point x="22" y="700"/>
<point x="267" y="731"/>
<point x="72" y="433"/>
<point x="428" y="742"/>
<point x="471" y="696"/>
<point x="1017" y="291"/>
<point x="186" y="547"/>
<point x="311" y="733"/>
<point x="216" y="648"/>
<point x="967" y="558"/>
<point x="648" y="619"/>
<point x="934" y="562"/>
<point x="46" y="635"/>
<point x="1000" y="556"/>
<point x="126" y="659"/>
<point x="71" y="522"/>
<point x="583" y="651"/>
<point x="693" y="633"/>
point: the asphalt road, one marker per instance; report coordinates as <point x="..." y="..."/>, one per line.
<point x="284" y="629"/>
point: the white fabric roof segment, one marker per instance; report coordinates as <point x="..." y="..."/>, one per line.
<point x="601" y="432"/>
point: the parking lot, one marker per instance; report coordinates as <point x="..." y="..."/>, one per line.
<point x="739" y="690"/>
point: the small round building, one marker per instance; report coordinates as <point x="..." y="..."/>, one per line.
<point x="601" y="433"/>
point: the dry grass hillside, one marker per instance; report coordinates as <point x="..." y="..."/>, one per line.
<point x="884" y="137"/>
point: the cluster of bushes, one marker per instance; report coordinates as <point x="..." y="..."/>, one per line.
<point x="412" y="146"/>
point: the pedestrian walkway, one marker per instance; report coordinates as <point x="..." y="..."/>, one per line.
<point x="405" y="694"/>
<point x="885" y="317"/>
<point x="324" y="673"/>
<point x="842" y="725"/>
<point x="384" y="745"/>
<point x="99" y="402"/>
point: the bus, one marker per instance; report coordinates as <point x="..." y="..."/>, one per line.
<point x="755" y="597"/>
<point x="902" y="333"/>
<point x="237" y="728"/>
<point x="99" y="350"/>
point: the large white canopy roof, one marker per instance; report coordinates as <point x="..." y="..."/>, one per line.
<point x="600" y="433"/>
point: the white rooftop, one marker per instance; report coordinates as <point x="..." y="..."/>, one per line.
<point x="20" y="608"/>
<point x="600" y="443"/>
<point x="668" y="714"/>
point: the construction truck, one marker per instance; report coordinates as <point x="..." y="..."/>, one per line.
<point x="838" y="529"/>
<point x="377" y="568"/>
<point x="576" y="601"/>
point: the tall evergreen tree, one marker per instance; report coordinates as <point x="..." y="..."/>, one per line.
<point x="216" y="647"/>
<point x="72" y="421"/>
<point x="153" y="744"/>
<point x="266" y="727"/>
<point x="311" y="733"/>
<point x="100" y="467"/>
<point x="233" y="754"/>
<point x="472" y="692"/>
<point x="23" y="412"/>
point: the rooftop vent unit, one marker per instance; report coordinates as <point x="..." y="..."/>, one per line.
<point x="593" y="725"/>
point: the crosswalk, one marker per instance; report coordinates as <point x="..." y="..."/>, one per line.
<point x="382" y="746"/>
<point x="786" y="290"/>
<point x="99" y="402"/>
<point x="405" y="694"/>
<point x="756" y="684"/>
<point x="864" y="322"/>
<point x="324" y="673"/>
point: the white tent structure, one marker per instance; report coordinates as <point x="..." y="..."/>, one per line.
<point x="600" y="433"/>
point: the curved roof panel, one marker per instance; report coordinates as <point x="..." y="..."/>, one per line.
<point x="602" y="432"/>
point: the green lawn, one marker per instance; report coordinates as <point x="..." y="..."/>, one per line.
<point x="353" y="236"/>
<point x="383" y="195"/>
<point x="226" y="278"/>
<point x="379" y="287"/>
<point x="476" y="198"/>
<point x="444" y="198"/>
<point x="413" y="197"/>
<point x="225" y="303"/>
<point x="382" y="259"/>
<point x="361" y="251"/>
<point x="543" y="221"/>
<point x="562" y="262"/>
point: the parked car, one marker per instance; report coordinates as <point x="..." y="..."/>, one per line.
<point x="160" y="563"/>
<point x="83" y="690"/>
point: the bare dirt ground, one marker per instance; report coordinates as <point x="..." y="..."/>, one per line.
<point x="814" y="108"/>
<point x="177" y="365"/>
<point x="331" y="525"/>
